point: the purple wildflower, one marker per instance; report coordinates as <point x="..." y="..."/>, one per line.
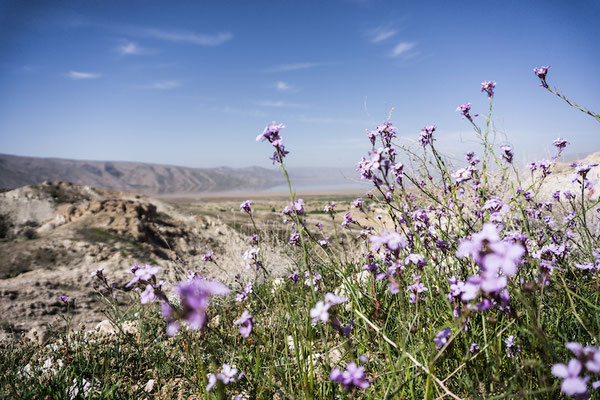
<point x="393" y="241"/>
<point x="488" y="87"/>
<point x="441" y="338"/>
<point x="246" y="206"/>
<point x="348" y="220"/>
<point x="143" y="275"/>
<point x="208" y="256"/>
<point x="64" y="299"/>
<point x="507" y="153"/>
<point x="353" y="376"/>
<point x="148" y="295"/>
<point x="358" y="203"/>
<point x="541" y="73"/>
<point x="98" y="273"/>
<point x="320" y="312"/>
<point x="271" y="133"/>
<point x="416" y="290"/>
<point x="316" y="277"/>
<point x="416" y="259"/>
<point x="426" y="135"/>
<point x="330" y="208"/>
<point x="194" y="298"/>
<point x="472" y="159"/>
<point x="511" y="348"/>
<point x="245" y="322"/>
<point x="464" y="110"/>
<point x="295" y="239"/>
<point x="572" y="383"/>
<point x="226" y="376"/>
<point x="293" y="277"/>
<point x="560" y="144"/>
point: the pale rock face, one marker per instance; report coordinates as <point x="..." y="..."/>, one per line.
<point x="149" y="386"/>
<point x="107" y="327"/>
<point x="38" y="335"/>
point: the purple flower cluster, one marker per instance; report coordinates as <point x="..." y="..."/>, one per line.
<point x="330" y="208"/>
<point x="465" y="110"/>
<point x="580" y="176"/>
<point x="295" y="207"/>
<point x="312" y="282"/>
<point x="194" y="296"/>
<point x="494" y="256"/>
<point x="252" y="257"/>
<point x="507" y="153"/>
<point x="208" y="257"/>
<point x="441" y="338"/>
<point x="560" y="144"/>
<point x="64" y="299"/>
<point x="271" y="133"/>
<point x="143" y="274"/>
<point x="243" y="295"/>
<point x="391" y="241"/>
<point x="353" y="377"/>
<point x="245" y="322"/>
<point x="426" y="135"/>
<point x="246" y="206"/>
<point x="415" y="291"/>
<point x="385" y="131"/>
<point x="348" y="220"/>
<point x="512" y="349"/>
<point x="488" y="87"/>
<point x="320" y="312"/>
<point x="541" y="73"/>
<point x="227" y="375"/>
<point x="587" y="360"/>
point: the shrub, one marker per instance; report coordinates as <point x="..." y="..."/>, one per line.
<point x="5" y="225"/>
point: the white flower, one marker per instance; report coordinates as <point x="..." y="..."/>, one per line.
<point x="320" y="312"/>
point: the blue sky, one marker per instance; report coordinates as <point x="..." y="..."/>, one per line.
<point x="193" y="84"/>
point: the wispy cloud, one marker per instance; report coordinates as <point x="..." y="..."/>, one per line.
<point x="295" y="66"/>
<point x="132" y="49"/>
<point x="78" y="75"/>
<point x="279" y="104"/>
<point x="380" y="34"/>
<point x="162" y="85"/>
<point x="184" y="36"/>
<point x="282" y="86"/>
<point x="330" y="120"/>
<point x="401" y="48"/>
<point x="247" y="112"/>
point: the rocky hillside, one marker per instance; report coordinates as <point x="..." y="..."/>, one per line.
<point x="56" y="233"/>
<point x="16" y="171"/>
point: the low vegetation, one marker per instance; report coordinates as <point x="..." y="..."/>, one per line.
<point x="471" y="285"/>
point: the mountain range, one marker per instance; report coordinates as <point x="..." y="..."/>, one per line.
<point x="17" y="171"/>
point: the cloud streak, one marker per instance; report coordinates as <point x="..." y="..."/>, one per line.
<point x="184" y="36"/>
<point x="380" y="34"/>
<point x="295" y="66"/>
<point x="402" y="48"/>
<point x="279" y="104"/>
<point x="282" y="86"/>
<point x="162" y="85"/>
<point x="78" y="75"/>
<point x="131" y="49"/>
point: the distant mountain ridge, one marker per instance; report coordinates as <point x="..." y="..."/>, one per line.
<point x="17" y="171"/>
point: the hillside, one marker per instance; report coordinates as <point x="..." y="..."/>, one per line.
<point x="17" y="171"/>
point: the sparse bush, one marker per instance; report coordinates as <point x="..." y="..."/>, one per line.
<point x="30" y="233"/>
<point x="5" y="225"/>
